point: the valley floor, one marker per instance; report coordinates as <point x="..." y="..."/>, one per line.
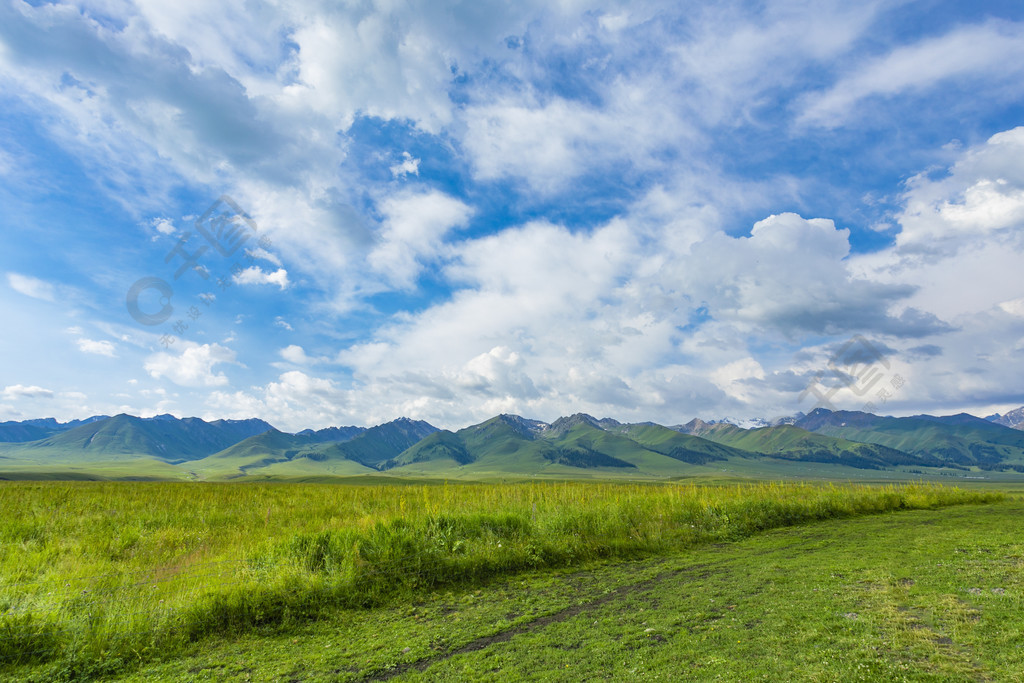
<point x="926" y="595"/>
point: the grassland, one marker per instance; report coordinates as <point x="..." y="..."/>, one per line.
<point x="922" y="595"/>
<point x="101" y="578"/>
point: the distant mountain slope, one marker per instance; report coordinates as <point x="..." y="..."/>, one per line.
<point x="379" y="444"/>
<point x="256" y="451"/>
<point x="19" y="432"/>
<point x="580" y="442"/>
<point x="275" y="445"/>
<point x="500" y="434"/>
<point x="683" y="447"/>
<point x="233" y="431"/>
<point x="33" y="430"/>
<point x="1013" y="419"/>
<point x="583" y="433"/>
<point x="332" y="433"/>
<point x="824" y="443"/>
<point x="793" y="443"/>
<point x="962" y="440"/>
<point x="439" y="446"/>
<point x="308" y="451"/>
<point x="124" y="436"/>
<point x="564" y="425"/>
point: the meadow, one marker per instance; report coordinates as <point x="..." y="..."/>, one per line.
<point x="99" y="579"/>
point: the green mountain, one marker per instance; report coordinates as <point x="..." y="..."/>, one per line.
<point x="254" y="452"/>
<point x="377" y="445"/>
<point x="33" y="430"/>
<point x="439" y="446"/>
<point x="346" y="450"/>
<point x="124" y="437"/>
<point x="956" y="440"/>
<point x="333" y="433"/>
<point x="823" y="444"/>
<point x="788" y="442"/>
<point x="683" y="447"/>
<point x="571" y="446"/>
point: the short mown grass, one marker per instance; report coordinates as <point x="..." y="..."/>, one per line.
<point x="99" y="578"/>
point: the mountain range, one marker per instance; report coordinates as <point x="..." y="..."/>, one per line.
<point x="829" y="444"/>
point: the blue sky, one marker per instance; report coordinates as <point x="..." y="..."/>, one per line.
<point x="648" y="211"/>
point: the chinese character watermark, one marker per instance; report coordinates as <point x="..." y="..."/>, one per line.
<point x="862" y="369"/>
<point x="226" y="228"/>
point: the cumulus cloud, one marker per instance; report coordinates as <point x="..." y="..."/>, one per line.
<point x="193" y="367"/>
<point x="254" y="275"/>
<point x="981" y="197"/>
<point x="294" y="353"/>
<point x="1013" y="307"/>
<point x="295" y="401"/>
<point x="665" y="296"/>
<point x="163" y="226"/>
<point x="415" y="226"/>
<point x="622" y="320"/>
<point x="99" y="348"/>
<point x="790" y="276"/>
<point x="959" y="243"/>
<point x="548" y="144"/>
<point x="409" y="165"/>
<point x="496" y="373"/>
<point x="959" y="233"/>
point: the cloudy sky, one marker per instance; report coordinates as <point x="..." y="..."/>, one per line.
<point x="325" y="213"/>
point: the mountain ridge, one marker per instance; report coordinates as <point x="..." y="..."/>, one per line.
<point x="506" y="444"/>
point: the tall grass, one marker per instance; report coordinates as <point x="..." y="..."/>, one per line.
<point x="98" y="577"/>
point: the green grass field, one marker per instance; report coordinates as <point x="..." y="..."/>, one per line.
<point x="106" y="579"/>
<point x="920" y="595"/>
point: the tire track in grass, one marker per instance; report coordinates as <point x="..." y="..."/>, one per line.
<point x="482" y="643"/>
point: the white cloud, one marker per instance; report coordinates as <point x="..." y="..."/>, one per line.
<point x="261" y="253"/>
<point x="730" y="377"/>
<point x="961" y="245"/>
<point x="99" y="348"/>
<point x="32" y="286"/>
<point x="295" y="354"/>
<point x="20" y="391"/>
<point x="295" y="401"/>
<point x="193" y="367"/>
<point x="550" y="143"/>
<point x="548" y="318"/>
<point x="164" y="226"/>
<point x="982" y="194"/>
<point x="614" y="22"/>
<point x="254" y="275"/>
<point x="261" y="98"/>
<point x="660" y="309"/>
<point x="408" y="166"/>
<point x="1013" y="307"/>
<point x="961" y="234"/>
<point x="991" y="52"/>
<point x="497" y="373"/>
<point x="414" y="230"/>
